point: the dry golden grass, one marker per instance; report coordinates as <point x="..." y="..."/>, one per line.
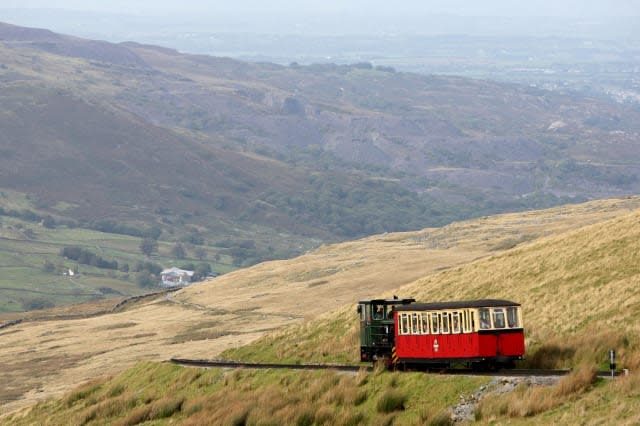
<point x="586" y="280"/>
<point x="580" y="292"/>
<point x="230" y="311"/>
<point x="587" y="346"/>
<point x="528" y="401"/>
<point x="87" y="309"/>
<point x="367" y="267"/>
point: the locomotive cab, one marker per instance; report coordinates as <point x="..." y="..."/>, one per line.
<point x="377" y="327"/>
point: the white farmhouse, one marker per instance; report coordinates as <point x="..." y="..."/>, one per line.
<point x="174" y="277"/>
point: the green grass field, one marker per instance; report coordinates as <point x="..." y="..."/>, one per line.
<point x="33" y="274"/>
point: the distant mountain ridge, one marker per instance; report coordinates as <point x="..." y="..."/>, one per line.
<point x="58" y="44"/>
<point x="148" y="135"/>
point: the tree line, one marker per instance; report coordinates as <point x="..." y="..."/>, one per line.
<point x="86" y="257"/>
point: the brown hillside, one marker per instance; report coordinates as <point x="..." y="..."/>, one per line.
<point x="144" y="134"/>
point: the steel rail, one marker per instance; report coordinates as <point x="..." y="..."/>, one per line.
<point x="259" y="365"/>
<point x="216" y="363"/>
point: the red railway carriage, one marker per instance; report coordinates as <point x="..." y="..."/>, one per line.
<point x="475" y="332"/>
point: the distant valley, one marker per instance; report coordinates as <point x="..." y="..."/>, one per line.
<point x="257" y="161"/>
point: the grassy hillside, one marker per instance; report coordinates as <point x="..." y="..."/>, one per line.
<point x="165" y="394"/>
<point x="572" y="285"/>
<point x="308" y="302"/>
<point x="579" y="291"/>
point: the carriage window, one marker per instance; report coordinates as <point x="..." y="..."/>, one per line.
<point x="445" y="323"/>
<point x="512" y="317"/>
<point x="455" y="322"/>
<point x="473" y="321"/>
<point x="498" y="318"/>
<point x="414" y="324"/>
<point x="404" y="324"/>
<point x="425" y="323"/>
<point x="434" y="323"/>
<point x="485" y="321"/>
<point x="466" y="322"/>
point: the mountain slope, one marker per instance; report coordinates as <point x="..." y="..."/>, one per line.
<point x="147" y="135"/>
<point x="238" y="308"/>
<point x="580" y="296"/>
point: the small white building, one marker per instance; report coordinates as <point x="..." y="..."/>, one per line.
<point x="174" y="277"/>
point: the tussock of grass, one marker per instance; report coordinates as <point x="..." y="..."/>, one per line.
<point x="137" y="416"/>
<point x="360" y="397"/>
<point x="307" y="418"/>
<point x="116" y="390"/>
<point x="529" y="401"/>
<point x="391" y="401"/>
<point x="111" y="407"/>
<point x="578" y="381"/>
<point x="629" y="385"/>
<point x="349" y="419"/>
<point x="84" y="391"/>
<point x="440" y="418"/>
<point x="590" y="347"/>
<point x="362" y="377"/>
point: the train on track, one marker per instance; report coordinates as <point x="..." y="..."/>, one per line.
<point x="403" y="334"/>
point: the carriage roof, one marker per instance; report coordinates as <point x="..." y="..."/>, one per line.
<point x="482" y="303"/>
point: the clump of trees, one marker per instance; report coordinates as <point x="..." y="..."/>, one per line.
<point x="113" y="227"/>
<point x="146" y="280"/>
<point x="178" y="251"/>
<point x="86" y="257"/>
<point x="148" y="274"/>
<point x="200" y="271"/>
<point x="36" y="304"/>
<point x="243" y="252"/>
<point x="151" y="267"/>
<point x="148" y="246"/>
<point x="30" y="216"/>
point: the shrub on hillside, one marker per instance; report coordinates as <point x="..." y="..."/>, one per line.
<point x="48" y="267"/>
<point x="150" y="267"/>
<point x="145" y="280"/>
<point x="114" y="227"/>
<point x="37" y="304"/>
<point x="86" y="257"/>
<point x="391" y="401"/>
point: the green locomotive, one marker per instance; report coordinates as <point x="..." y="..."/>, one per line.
<point x="377" y="327"/>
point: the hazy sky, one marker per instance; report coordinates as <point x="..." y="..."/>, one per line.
<point x="162" y="21"/>
<point x="561" y="8"/>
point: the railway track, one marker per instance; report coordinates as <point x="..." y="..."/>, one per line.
<point x="202" y="363"/>
<point x="235" y="364"/>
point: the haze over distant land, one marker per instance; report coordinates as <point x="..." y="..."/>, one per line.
<point x="117" y="20"/>
<point x="578" y="45"/>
